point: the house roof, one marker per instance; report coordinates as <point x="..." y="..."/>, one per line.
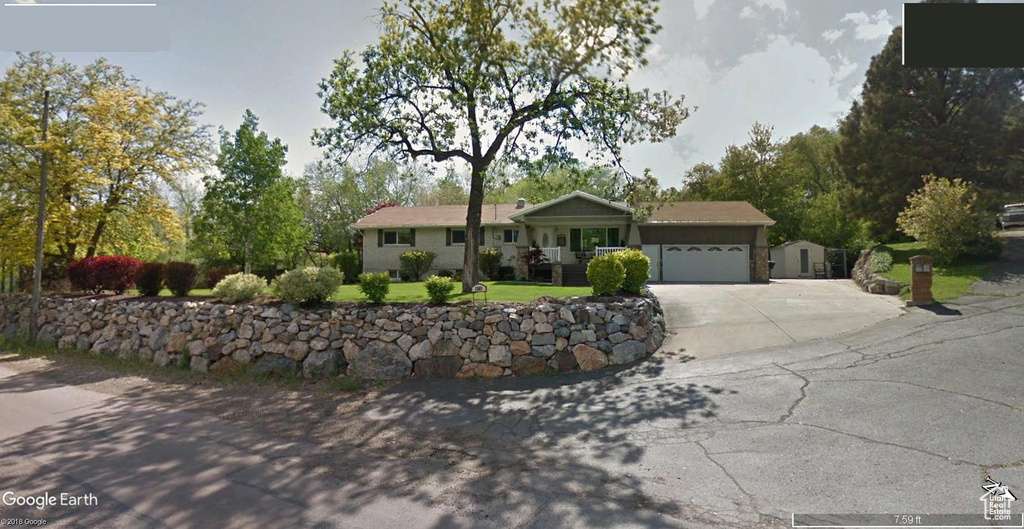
<point x="790" y="243"/>
<point x="682" y="213"/>
<point x="435" y="216"/>
<point x="580" y="194"/>
<point x="708" y="213"/>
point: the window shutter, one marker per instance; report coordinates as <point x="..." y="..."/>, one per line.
<point x="380" y="238"/>
<point x="448" y="237"/>
<point x="482" y="236"/>
<point x="412" y="237"/>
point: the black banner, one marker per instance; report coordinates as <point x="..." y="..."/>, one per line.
<point x="963" y="35"/>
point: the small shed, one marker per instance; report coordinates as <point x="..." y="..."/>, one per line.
<point x="798" y="259"/>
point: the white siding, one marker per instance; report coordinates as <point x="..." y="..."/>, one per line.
<point x="380" y="259"/>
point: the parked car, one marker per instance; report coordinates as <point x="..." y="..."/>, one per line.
<point x="1012" y="215"/>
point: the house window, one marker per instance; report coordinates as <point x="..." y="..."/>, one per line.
<point x="511" y="236"/>
<point x="394" y="275"/>
<point x="458" y="236"/>
<point x="586" y="239"/>
<point x="397" y="237"/>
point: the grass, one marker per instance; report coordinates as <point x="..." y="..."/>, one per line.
<point x="496" y="291"/>
<point x="417" y="293"/>
<point x="948" y="282"/>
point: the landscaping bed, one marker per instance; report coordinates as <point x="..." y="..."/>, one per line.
<point x="948" y="282"/>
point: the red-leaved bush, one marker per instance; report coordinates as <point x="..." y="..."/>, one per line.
<point x="215" y="273"/>
<point x="82" y="275"/>
<point x="109" y="272"/>
<point x="180" y="277"/>
<point x="150" y="279"/>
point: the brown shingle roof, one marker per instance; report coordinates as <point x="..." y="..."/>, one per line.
<point x="439" y="216"/>
<point x="721" y="213"/>
<point x="738" y="213"/>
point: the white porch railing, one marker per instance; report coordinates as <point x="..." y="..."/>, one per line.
<point x="554" y="255"/>
<point x="604" y="250"/>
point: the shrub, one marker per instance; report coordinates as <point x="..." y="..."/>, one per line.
<point x="375" y="286"/>
<point x="240" y="287"/>
<point x="638" y="269"/>
<point x="115" y="272"/>
<point x="506" y="273"/>
<point x="307" y="285"/>
<point x="881" y="259"/>
<point x="946" y="215"/>
<point x="150" y="279"/>
<point x="82" y="275"/>
<point x="180" y="277"/>
<point x="439" y="289"/>
<point x="606" y="275"/>
<point x="445" y="273"/>
<point x="215" y="274"/>
<point x="490" y="262"/>
<point x="349" y="263"/>
<point x="416" y="262"/>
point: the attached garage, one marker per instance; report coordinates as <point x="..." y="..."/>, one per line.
<point x="706" y="242"/>
<point x="705" y="263"/>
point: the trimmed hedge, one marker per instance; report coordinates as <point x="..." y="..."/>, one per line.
<point x="606" y="275"/>
<point x="150" y="279"/>
<point x="439" y="289"/>
<point x="490" y="262"/>
<point x="375" y="286"/>
<point x="109" y="272"/>
<point x="240" y="287"/>
<point x="180" y="277"/>
<point x="349" y="263"/>
<point x="415" y="263"/>
<point x="638" y="269"/>
<point x="308" y="285"/>
<point x="215" y="274"/>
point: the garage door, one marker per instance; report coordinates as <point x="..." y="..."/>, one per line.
<point x="727" y="263"/>
<point x="653" y="252"/>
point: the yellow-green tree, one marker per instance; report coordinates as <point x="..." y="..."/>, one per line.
<point x="113" y="144"/>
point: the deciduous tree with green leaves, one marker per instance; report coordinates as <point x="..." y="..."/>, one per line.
<point x="480" y="80"/>
<point x="249" y="213"/>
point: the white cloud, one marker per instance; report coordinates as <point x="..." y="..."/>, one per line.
<point x="779" y="5"/>
<point x="842" y="68"/>
<point x="833" y="35"/>
<point x="788" y="85"/>
<point x="702" y="7"/>
<point x="870" y="27"/>
<point x="747" y="12"/>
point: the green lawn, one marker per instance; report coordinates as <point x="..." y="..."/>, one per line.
<point x="948" y="283"/>
<point x="416" y="292"/>
<point x="496" y="291"/>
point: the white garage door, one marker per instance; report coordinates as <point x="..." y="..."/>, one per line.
<point x="727" y="263"/>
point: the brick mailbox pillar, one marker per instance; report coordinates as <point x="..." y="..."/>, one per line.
<point x="921" y="280"/>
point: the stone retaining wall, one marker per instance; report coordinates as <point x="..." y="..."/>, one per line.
<point x="366" y="343"/>
<point x="865" y="277"/>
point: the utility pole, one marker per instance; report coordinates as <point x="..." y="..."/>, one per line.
<point x="37" y="280"/>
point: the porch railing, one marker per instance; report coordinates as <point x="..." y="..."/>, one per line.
<point x="604" y="250"/>
<point x="554" y="255"/>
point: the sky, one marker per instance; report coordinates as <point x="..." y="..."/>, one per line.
<point x="790" y="64"/>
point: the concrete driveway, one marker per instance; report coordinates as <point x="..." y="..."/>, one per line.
<point x="710" y="320"/>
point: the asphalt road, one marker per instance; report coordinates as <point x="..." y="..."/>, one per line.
<point x="907" y="416"/>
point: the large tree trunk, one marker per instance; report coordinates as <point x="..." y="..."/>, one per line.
<point x="470" y="273"/>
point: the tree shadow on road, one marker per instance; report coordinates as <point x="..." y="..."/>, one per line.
<point x="501" y="452"/>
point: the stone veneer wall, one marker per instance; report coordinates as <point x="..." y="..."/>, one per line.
<point x="364" y="342"/>
<point x="869" y="281"/>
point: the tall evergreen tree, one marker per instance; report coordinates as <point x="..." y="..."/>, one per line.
<point x="955" y="122"/>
